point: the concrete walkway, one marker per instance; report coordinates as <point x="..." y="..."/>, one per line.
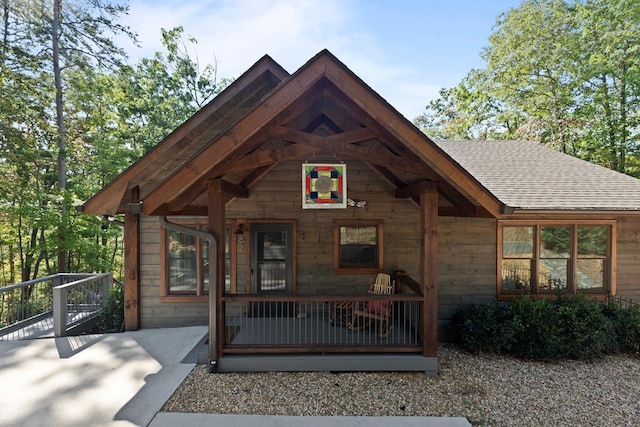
<point x="125" y="379"/>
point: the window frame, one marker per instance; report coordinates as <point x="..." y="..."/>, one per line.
<point x="200" y="294"/>
<point x="571" y="288"/>
<point x="379" y="224"/>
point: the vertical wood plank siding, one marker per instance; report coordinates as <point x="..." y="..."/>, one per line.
<point x="628" y="271"/>
<point x="466" y="246"/>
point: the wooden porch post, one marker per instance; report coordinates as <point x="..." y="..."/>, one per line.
<point x="216" y="203"/>
<point x="429" y="268"/>
<point x="132" y="266"/>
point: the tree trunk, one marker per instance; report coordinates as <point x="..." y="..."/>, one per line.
<point x="623" y="119"/>
<point x="62" y="143"/>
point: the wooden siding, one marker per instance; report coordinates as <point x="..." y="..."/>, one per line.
<point x="466" y="251"/>
<point x="467" y="264"/>
<point x="153" y="312"/>
<point x="278" y="196"/>
<point x="628" y="266"/>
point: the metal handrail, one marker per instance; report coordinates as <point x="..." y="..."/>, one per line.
<point x="61" y="299"/>
<point x="25" y="303"/>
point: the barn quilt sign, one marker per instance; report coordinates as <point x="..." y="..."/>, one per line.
<point x="324" y="186"/>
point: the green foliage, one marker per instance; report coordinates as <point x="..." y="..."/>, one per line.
<point x="542" y="329"/>
<point x="627" y="326"/>
<point x="488" y="328"/>
<point x="112" y="317"/>
<point x="562" y="73"/>
<point x="112" y="113"/>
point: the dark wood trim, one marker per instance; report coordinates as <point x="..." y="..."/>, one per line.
<point x="429" y="269"/>
<point x="414" y="190"/>
<point x="281" y="105"/>
<point x="132" y="266"/>
<point x="217" y="225"/>
<point x="414" y="140"/>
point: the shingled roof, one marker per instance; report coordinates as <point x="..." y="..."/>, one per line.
<point x="526" y="175"/>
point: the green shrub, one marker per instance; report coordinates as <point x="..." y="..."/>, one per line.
<point x="627" y="326"/>
<point x="112" y="317"/>
<point x="542" y="336"/>
<point x="485" y="328"/>
<point x="542" y="329"/>
<point x="588" y="333"/>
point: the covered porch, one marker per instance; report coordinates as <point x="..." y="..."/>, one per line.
<point x="233" y="171"/>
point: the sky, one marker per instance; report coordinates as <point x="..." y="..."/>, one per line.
<point x="406" y="50"/>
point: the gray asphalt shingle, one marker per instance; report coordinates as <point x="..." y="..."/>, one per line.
<point x="527" y="175"/>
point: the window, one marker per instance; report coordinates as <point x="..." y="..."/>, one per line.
<point x="555" y="257"/>
<point x="186" y="262"/>
<point x="357" y="246"/>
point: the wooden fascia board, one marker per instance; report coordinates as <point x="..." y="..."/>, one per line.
<point x="107" y="202"/>
<point x="104" y="201"/>
<point x="249" y="125"/>
<point x="370" y="102"/>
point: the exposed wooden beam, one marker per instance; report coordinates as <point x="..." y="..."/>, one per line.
<point x="342" y="144"/>
<point x="429" y="269"/>
<point x="235" y="190"/>
<point x="245" y="136"/>
<point x="217" y="226"/>
<point x="415" y="189"/>
<point x="352" y="88"/>
<point x="132" y="266"/>
<point x="107" y="200"/>
<point x="270" y="156"/>
<point x="349" y="137"/>
<point x="189" y="195"/>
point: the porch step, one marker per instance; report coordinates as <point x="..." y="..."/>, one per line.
<point x="330" y="362"/>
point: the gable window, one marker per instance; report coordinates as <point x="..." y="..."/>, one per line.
<point x="555" y="257"/>
<point x="357" y="246"/>
<point x="186" y="262"/>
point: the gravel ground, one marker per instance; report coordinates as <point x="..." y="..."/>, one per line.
<point x="487" y="390"/>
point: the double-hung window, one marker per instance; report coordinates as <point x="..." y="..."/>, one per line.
<point x="555" y="257"/>
<point x="357" y="246"/>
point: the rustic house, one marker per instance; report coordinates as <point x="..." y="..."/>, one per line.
<point x="268" y="214"/>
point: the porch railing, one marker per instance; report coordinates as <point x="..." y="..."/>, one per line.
<point x="270" y="324"/>
<point x="67" y="297"/>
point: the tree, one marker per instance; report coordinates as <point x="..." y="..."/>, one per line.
<point x="562" y="73"/>
<point x="468" y="111"/>
<point x="112" y="112"/>
<point x="610" y="76"/>
<point x="163" y="91"/>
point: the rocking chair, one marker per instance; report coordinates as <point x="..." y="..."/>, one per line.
<point x="364" y="313"/>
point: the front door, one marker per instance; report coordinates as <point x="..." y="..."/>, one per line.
<point x="272" y="258"/>
<point x="272" y="268"/>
